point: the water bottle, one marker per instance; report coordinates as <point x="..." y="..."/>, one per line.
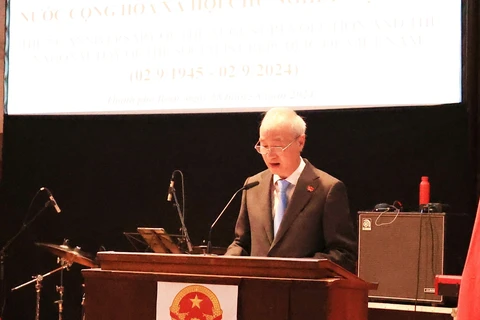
<point x="424" y="196"/>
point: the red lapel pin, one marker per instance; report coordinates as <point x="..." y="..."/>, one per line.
<point x="310" y="188"/>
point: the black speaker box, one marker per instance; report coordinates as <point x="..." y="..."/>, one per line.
<point x="403" y="252"/>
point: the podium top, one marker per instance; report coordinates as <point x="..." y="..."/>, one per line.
<point x="238" y="266"/>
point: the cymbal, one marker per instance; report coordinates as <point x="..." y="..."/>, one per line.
<point x="70" y="255"/>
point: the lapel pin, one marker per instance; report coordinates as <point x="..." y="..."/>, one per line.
<point x="310" y="188"/>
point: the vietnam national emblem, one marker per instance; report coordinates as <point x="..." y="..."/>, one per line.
<point x="195" y="302"/>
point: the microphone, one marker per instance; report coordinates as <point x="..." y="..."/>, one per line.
<point x="52" y="200"/>
<point x="245" y="187"/>
<point x="170" y="190"/>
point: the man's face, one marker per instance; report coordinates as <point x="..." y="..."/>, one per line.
<point x="278" y="162"/>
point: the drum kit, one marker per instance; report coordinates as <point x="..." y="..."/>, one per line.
<point x="66" y="257"/>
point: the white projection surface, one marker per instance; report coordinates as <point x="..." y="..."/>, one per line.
<point x="116" y="57"/>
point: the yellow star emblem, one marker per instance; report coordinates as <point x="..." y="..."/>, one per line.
<point x="196" y="302"/>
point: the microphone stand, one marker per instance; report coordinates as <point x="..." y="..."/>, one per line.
<point x="209" y="243"/>
<point x="245" y="187"/>
<point x="3" y="254"/>
<point x="182" y="221"/>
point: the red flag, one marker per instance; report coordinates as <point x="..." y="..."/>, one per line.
<point x="469" y="295"/>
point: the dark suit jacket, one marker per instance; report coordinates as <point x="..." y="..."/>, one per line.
<point x="317" y="222"/>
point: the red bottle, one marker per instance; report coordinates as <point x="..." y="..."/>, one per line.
<point x="424" y="196"/>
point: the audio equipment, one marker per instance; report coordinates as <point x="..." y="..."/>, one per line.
<point x="402" y="252"/>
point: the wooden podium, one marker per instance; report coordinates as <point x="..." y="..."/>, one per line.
<point x="125" y="286"/>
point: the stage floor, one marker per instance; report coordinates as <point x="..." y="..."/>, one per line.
<point x="397" y="311"/>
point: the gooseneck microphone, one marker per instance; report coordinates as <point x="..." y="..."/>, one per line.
<point x="173" y="195"/>
<point x="52" y="200"/>
<point x="170" y="189"/>
<point x="245" y="187"/>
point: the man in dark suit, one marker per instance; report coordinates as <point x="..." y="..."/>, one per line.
<point x="309" y="217"/>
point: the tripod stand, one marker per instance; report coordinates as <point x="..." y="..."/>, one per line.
<point x="38" y="287"/>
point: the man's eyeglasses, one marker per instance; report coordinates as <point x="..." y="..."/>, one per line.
<point x="276" y="150"/>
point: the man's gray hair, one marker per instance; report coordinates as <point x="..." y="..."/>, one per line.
<point x="284" y="117"/>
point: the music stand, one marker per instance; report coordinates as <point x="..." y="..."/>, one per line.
<point x="159" y="240"/>
<point x="136" y="241"/>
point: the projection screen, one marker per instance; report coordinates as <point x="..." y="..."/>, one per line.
<point x="140" y="57"/>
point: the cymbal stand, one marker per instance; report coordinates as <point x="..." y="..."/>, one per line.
<point x="60" y="289"/>
<point x="83" y="302"/>
<point x="38" y="286"/>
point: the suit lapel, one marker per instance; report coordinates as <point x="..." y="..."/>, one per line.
<point x="306" y="184"/>
<point x="264" y="204"/>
